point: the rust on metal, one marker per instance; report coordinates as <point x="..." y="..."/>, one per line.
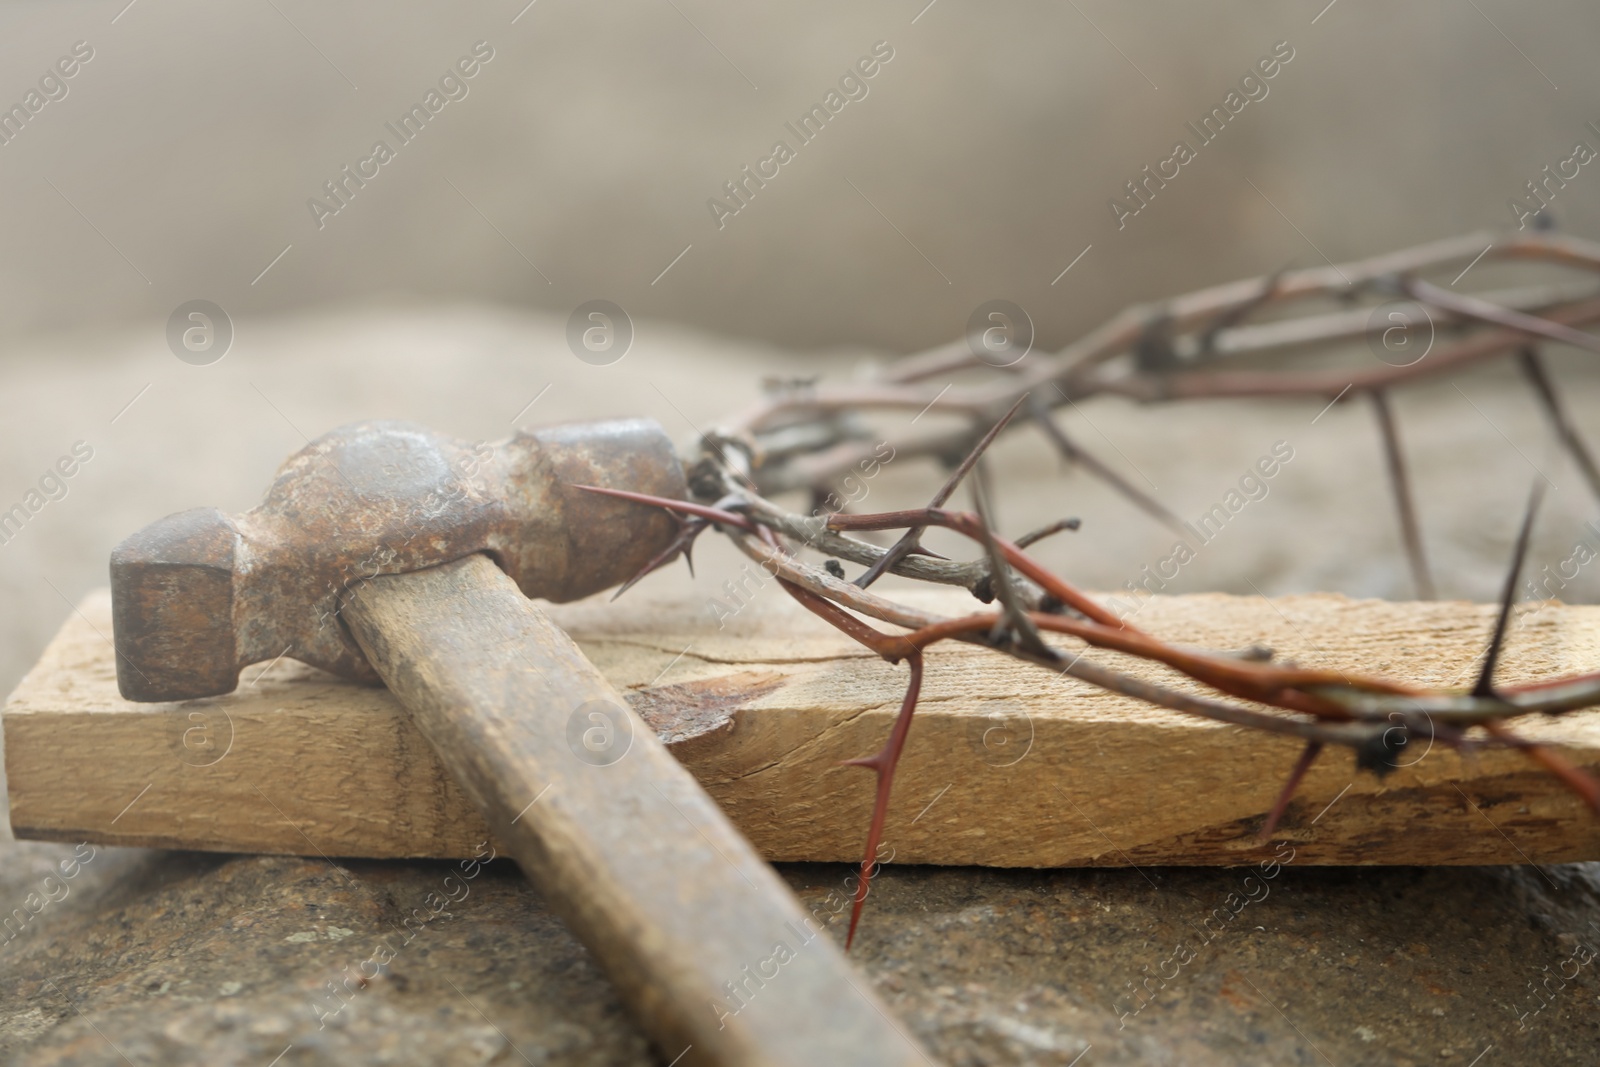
<point x="686" y="711"/>
<point x="199" y="595"/>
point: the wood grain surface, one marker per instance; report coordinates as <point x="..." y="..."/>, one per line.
<point x="1007" y="765"/>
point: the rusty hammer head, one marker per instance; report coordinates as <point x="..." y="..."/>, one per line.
<point x="199" y="595"/>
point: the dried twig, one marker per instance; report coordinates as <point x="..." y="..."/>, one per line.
<point x="799" y="439"/>
<point x="1410" y="531"/>
<point x="903" y="547"/>
<point x="1566" y="432"/>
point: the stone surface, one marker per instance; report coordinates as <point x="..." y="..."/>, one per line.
<point x="183" y="958"/>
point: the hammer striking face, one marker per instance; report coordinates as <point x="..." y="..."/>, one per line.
<point x="199" y="595"/>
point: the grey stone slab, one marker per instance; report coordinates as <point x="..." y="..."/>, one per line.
<point x="185" y="958"/>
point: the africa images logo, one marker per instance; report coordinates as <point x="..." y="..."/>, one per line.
<point x="52" y="87"/>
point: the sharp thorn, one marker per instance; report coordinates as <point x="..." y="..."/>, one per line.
<point x="683" y="543"/>
<point x="1074" y="453"/>
<point x="1566" y="432"/>
<point x="1572" y="776"/>
<point x="880" y="806"/>
<point x="1308" y="756"/>
<point x="1485" y="685"/>
<point x="1400" y="482"/>
<point x="1013" y="618"/>
<point x="683" y="507"/>
<point x="908" y="540"/>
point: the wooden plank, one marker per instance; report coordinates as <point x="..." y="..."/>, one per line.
<point x="1007" y="765"/>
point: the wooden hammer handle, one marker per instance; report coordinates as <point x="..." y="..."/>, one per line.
<point x="715" y="956"/>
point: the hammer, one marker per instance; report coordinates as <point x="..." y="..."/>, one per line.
<point x="386" y="552"/>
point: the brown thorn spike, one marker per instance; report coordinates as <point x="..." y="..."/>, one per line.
<point x="1004" y="585"/>
<point x="982" y="481"/>
<point x="1308" y="756"/>
<point x="1400" y="482"/>
<point x="1566" y="432"/>
<point x="883" y="764"/>
<point x="1508" y="596"/>
<point x="894" y="648"/>
<point x="682" y="544"/>
<point x="967" y="526"/>
<point x="1073" y="452"/>
<point x="718" y="515"/>
<point x="1575" y="778"/>
<point x="908" y="541"/>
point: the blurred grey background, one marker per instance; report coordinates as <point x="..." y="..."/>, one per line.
<point x="589" y="145"/>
